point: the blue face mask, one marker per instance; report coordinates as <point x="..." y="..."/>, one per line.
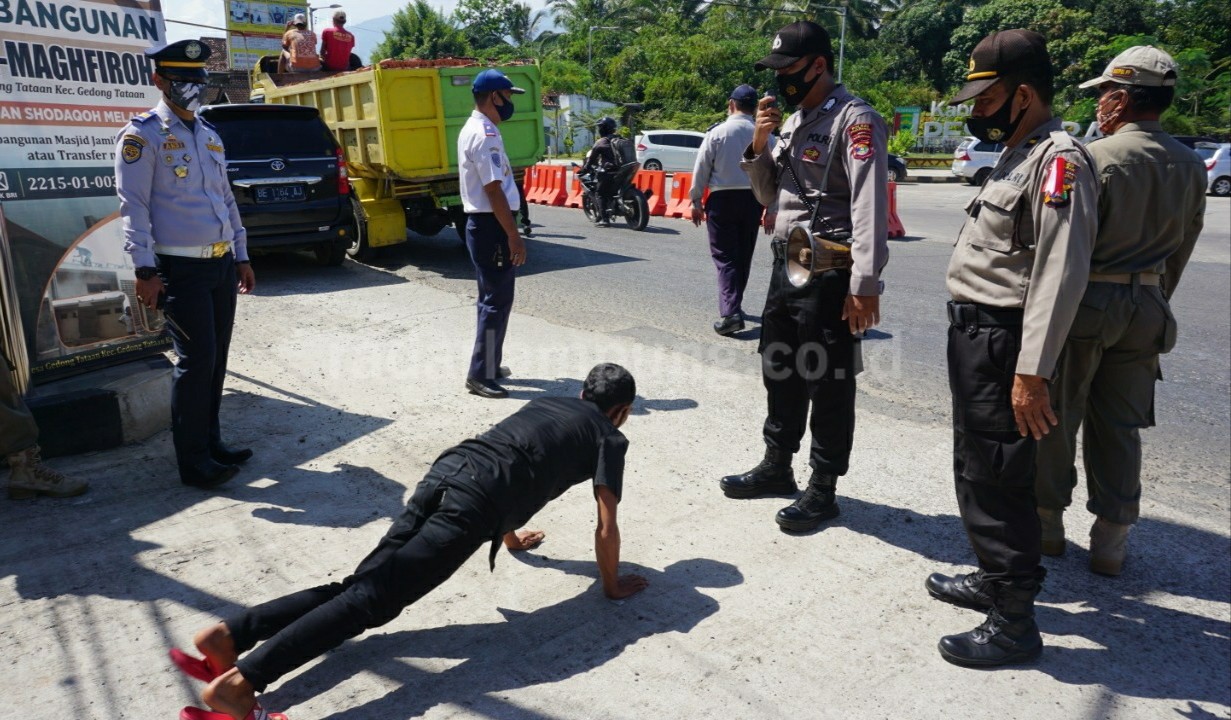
<point x="505" y="111"/>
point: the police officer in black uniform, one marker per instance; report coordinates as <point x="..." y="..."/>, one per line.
<point x="477" y="492"/>
<point x="188" y="244"/>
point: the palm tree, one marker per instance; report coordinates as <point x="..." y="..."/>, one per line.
<point x="524" y="24"/>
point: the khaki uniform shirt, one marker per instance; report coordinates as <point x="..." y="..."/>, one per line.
<point x="857" y="195"/>
<point x="1151" y="203"/>
<point x="1021" y="248"/>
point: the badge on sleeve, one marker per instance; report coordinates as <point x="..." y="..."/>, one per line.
<point x="860" y="135"/>
<point x="131" y="147"/>
<point x="496" y="159"/>
<point x="489" y="130"/>
<point x="811" y="154"/>
<point x="1057" y="188"/>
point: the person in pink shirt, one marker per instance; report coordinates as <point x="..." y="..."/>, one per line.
<point x="336" y="44"/>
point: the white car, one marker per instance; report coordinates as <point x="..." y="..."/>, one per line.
<point x="668" y="149"/>
<point x="1218" y="167"/>
<point x="973" y="159"/>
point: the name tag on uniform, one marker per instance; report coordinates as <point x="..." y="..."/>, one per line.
<point x="213" y="147"/>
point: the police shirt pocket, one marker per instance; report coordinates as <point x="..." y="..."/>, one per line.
<point x="999" y="208"/>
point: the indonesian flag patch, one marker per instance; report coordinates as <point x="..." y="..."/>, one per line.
<point x="860" y="135"/>
<point x="1058" y="187"/>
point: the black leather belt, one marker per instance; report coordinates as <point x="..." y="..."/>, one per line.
<point x="974" y="315"/>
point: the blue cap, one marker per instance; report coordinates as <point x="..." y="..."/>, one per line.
<point x="490" y="80"/>
<point x="744" y="94"/>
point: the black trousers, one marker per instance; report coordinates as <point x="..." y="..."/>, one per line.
<point x="733" y="219"/>
<point x="442" y="525"/>
<point x="201" y="300"/>
<point x="489" y="251"/>
<point x="993" y="465"/>
<point x="808" y="356"/>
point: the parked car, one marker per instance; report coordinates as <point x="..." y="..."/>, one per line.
<point x="1218" y="167"/>
<point x="1193" y="141"/>
<point x="973" y="159"/>
<point x="288" y="176"/>
<point x="897" y="168"/>
<point x="668" y="149"/>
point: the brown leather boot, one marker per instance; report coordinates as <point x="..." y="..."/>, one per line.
<point x="31" y="478"/>
<point x="1052" y="523"/>
<point x="1108" y="546"/>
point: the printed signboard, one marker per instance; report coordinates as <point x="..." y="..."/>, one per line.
<point x="254" y="29"/>
<point x="72" y="72"/>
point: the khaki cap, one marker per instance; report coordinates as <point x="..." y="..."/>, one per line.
<point x="1143" y="65"/>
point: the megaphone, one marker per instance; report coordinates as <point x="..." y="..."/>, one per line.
<point x="809" y="255"/>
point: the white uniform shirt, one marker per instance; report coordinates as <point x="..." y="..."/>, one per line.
<point x="481" y="160"/>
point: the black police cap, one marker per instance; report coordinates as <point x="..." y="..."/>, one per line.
<point x="1002" y="53"/>
<point x="183" y="60"/>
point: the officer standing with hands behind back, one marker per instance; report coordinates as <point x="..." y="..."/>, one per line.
<point x="1016" y="277"/>
<point x="830" y="165"/>
<point x="188" y="244"/>
<point x="490" y="197"/>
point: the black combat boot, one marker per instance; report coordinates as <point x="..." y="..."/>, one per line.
<point x="1009" y="636"/>
<point x="773" y="476"/>
<point x="968" y="591"/>
<point x="815" y="506"/>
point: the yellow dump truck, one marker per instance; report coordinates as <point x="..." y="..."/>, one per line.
<point x="397" y="122"/>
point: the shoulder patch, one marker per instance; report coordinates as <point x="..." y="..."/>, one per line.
<point x="142" y="117"/>
<point x="131" y="147"/>
<point x="860" y="135"/>
<point x="1058" y="186"/>
<point x="489" y="130"/>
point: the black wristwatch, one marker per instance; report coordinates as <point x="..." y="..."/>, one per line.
<point x="146" y="273"/>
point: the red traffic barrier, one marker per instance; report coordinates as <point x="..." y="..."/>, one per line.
<point x="896" y="229"/>
<point x="653" y="184"/>
<point x="555" y="191"/>
<point x="574" y="196"/>
<point x="534" y="183"/>
<point x="680" y="204"/>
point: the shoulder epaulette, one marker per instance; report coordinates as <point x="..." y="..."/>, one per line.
<point x="142" y="117"/>
<point x="711" y="127"/>
<point x="1062" y="140"/>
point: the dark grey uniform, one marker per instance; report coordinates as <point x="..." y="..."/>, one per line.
<point x="1016" y="276"/>
<point x="1151" y="210"/>
<point x="808" y="352"/>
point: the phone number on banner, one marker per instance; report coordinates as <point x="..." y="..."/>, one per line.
<point x="49" y="183"/>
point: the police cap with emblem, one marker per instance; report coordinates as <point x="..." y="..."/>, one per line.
<point x="1143" y="65"/>
<point x="797" y="40"/>
<point x="182" y="61"/>
<point x="1010" y="52"/>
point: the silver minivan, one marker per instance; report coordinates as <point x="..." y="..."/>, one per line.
<point x="673" y="150"/>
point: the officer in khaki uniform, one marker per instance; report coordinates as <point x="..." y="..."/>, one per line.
<point x="831" y="158"/>
<point x="1016" y="276"/>
<point x="190" y="250"/>
<point x="1151" y="209"/>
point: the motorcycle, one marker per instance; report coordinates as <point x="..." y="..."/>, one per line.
<point x="623" y="199"/>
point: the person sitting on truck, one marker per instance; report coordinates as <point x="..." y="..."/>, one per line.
<point x="603" y="161"/>
<point x="336" y="45"/>
<point x="299" y="47"/>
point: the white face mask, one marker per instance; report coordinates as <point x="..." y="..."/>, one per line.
<point x="185" y="95"/>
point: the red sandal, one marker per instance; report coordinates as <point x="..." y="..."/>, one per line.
<point x="256" y="713"/>
<point x="198" y="668"/>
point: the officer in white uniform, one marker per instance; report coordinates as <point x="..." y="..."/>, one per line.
<point x="188" y="244"/>
<point x="490" y="197"/>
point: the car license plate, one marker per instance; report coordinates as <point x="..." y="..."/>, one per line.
<point x="279" y="193"/>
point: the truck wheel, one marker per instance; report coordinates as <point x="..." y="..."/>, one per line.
<point x="359" y="248"/>
<point x="331" y="254"/>
<point x="636" y="209"/>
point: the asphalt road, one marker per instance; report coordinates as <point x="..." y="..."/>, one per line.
<point x="658" y="286"/>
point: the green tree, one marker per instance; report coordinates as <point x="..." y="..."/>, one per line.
<point x="917" y="37"/>
<point x="484" y="22"/>
<point x="420" y="32"/>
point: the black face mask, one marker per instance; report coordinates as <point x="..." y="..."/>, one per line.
<point x="793" y="88"/>
<point x="997" y="127"/>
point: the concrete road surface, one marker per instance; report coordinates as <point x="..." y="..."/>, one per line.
<point x="348" y="383"/>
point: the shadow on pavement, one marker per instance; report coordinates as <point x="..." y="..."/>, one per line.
<point x="548" y="645"/>
<point x="289" y="273"/>
<point x="444" y="255"/>
<point x="570" y="387"/>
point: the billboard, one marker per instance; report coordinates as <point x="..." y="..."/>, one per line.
<point x="255" y="28"/>
<point x="72" y="72"/>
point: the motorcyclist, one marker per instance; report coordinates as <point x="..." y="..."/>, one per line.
<point x="603" y="161"/>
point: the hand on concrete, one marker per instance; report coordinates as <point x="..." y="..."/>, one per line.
<point x="523" y="539"/>
<point x="862" y="312"/>
<point x="517" y="249"/>
<point x="149" y="290"/>
<point x="246" y="278"/>
<point x="697" y="215"/>
<point x="626" y="585"/>
<point x="1032" y="406"/>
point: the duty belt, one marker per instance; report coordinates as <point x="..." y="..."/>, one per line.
<point x="1142" y="278"/>
<point x="824" y="260"/>
<point x="213" y="250"/>
<point x="973" y="316"/>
